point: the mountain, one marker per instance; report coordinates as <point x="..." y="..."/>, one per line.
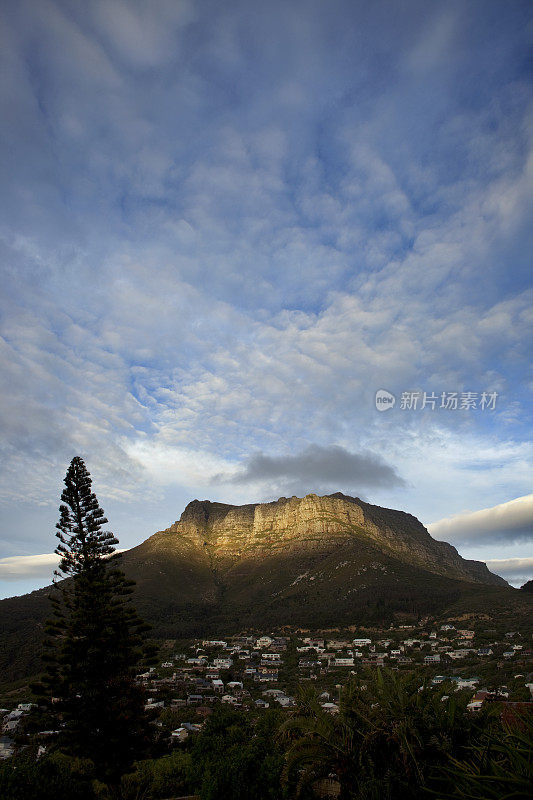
<point x="311" y="561"/>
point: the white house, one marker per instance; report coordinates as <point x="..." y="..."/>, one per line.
<point x="230" y="699"/>
<point x="222" y="663"/>
<point x="276" y="657"/>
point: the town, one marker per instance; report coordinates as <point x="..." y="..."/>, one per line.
<point x="252" y="672"/>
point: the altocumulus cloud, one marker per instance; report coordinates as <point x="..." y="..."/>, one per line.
<point x="318" y="466"/>
<point x="507" y="523"/>
<point x="240" y="243"/>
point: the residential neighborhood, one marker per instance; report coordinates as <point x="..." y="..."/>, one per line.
<point x="255" y="671"/>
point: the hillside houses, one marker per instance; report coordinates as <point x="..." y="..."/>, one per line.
<point x="255" y="672"/>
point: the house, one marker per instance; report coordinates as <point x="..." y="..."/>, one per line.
<point x="218" y="685"/>
<point x="361" y="642"/>
<point x="478" y="700"/>
<point x="374" y="662"/>
<point x="154" y="704"/>
<point x="11" y="725"/>
<point x="194" y="699"/>
<point x="180" y="734"/>
<point x="285" y="701"/>
<point x="433" y="659"/>
<point x="316" y="644"/>
<point x="267" y="674"/>
<point x="261" y="703"/>
<point x="229" y="699"/>
<point x="192" y="727"/>
<point x="343" y="662"/>
<point x="465" y="683"/>
<point x="222" y="663"/>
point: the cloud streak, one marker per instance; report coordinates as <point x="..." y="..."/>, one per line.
<point x="516" y="571"/>
<point x="16" y="568"/>
<point x="506" y="523"/>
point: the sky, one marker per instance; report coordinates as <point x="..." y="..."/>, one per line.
<point x="226" y="226"/>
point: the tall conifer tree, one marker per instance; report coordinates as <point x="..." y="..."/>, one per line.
<point x="95" y="640"/>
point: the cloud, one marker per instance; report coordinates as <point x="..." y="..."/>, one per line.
<point x="332" y="466"/>
<point x="516" y="571"/>
<point x="40" y="567"/>
<point x="16" y="568"/>
<point x="507" y="523"/>
<point x="511" y="566"/>
<point x="167" y="465"/>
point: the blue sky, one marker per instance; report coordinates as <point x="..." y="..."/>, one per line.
<point x="226" y="226"/>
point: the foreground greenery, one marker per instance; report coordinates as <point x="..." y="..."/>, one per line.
<point x="392" y="738"/>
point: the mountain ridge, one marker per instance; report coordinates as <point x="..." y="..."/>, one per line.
<point x="313" y="561"/>
<point x="248" y="527"/>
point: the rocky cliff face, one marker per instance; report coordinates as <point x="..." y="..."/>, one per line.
<point x="229" y="534"/>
